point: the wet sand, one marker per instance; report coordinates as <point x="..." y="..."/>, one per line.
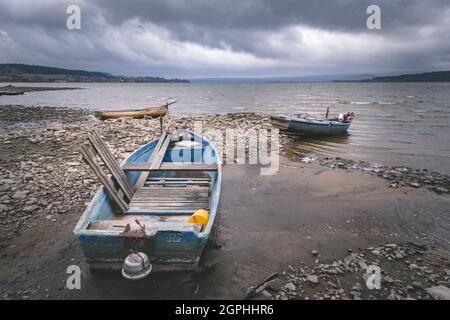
<point x="266" y="224"/>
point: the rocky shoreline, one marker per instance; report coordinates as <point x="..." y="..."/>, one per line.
<point x="44" y="179"/>
<point x="406" y="272"/>
<point x="43" y="173"/>
<point x="397" y="176"/>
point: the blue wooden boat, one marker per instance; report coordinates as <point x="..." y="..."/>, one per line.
<point x="169" y="180"/>
<point x="310" y="126"/>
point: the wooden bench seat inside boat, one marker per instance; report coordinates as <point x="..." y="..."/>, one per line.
<point x="178" y="188"/>
<point x="169" y="166"/>
<point x="150" y="222"/>
<point x="162" y="197"/>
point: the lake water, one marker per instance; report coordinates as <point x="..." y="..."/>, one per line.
<point x="396" y="123"/>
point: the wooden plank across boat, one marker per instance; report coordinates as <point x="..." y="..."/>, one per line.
<point x="151" y="112"/>
<point x="309" y="126"/>
<point x="145" y="204"/>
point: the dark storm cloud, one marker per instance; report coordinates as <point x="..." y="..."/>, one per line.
<point x="211" y="37"/>
<point x="268" y="14"/>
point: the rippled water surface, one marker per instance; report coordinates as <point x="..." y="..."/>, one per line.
<point x="396" y="123"/>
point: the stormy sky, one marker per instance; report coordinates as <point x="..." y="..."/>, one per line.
<point x="223" y="38"/>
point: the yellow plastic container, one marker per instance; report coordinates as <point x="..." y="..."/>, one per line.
<point x="200" y="216"/>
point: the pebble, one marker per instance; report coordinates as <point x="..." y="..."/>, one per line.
<point x="334" y="275"/>
<point x="393" y="185"/>
<point x="290" y="286"/>
<point x="356" y="295"/>
<point x="313" y="279"/>
<point x="440" y="190"/>
<point x="20" y="195"/>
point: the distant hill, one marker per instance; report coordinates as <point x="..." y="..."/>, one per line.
<point x="438" y="76"/>
<point x="287" y="79"/>
<point x="14" y="72"/>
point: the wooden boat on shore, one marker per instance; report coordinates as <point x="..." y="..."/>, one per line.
<point x="310" y="126"/>
<point x="149" y="203"/>
<point x="151" y="112"/>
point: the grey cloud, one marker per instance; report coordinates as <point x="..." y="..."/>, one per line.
<point x="268" y="14"/>
<point x="245" y="37"/>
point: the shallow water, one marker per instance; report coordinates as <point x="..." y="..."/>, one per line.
<point x="396" y="123"/>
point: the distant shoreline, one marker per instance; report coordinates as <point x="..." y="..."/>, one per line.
<point x="438" y="76"/>
<point x="11" y="90"/>
<point x="15" y="72"/>
<point x="2" y="80"/>
<point x="385" y="81"/>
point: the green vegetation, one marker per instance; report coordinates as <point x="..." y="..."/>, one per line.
<point x="15" y="72"/>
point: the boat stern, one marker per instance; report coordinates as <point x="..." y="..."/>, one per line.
<point x="168" y="250"/>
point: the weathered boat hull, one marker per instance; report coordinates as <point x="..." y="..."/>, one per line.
<point x="171" y="248"/>
<point x="152" y="112"/>
<point x="309" y="127"/>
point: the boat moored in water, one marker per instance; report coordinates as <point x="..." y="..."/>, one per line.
<point x="311" y="126"/>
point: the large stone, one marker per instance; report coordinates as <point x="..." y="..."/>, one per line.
<point x="362" y="264"/>
<point x="55" y="126"/>
<point x="357" y="287"/>
<point x="356" y="295"/>
<point x="7" y="181"/>
<point x="388" y="279"/>
<point x="29" y="209"/>
<point x="275" y="284"/>
<point x="20" y="195"/>
<point x="439" y="292"/>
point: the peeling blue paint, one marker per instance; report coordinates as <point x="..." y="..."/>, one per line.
<point x="178" y="248"/>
